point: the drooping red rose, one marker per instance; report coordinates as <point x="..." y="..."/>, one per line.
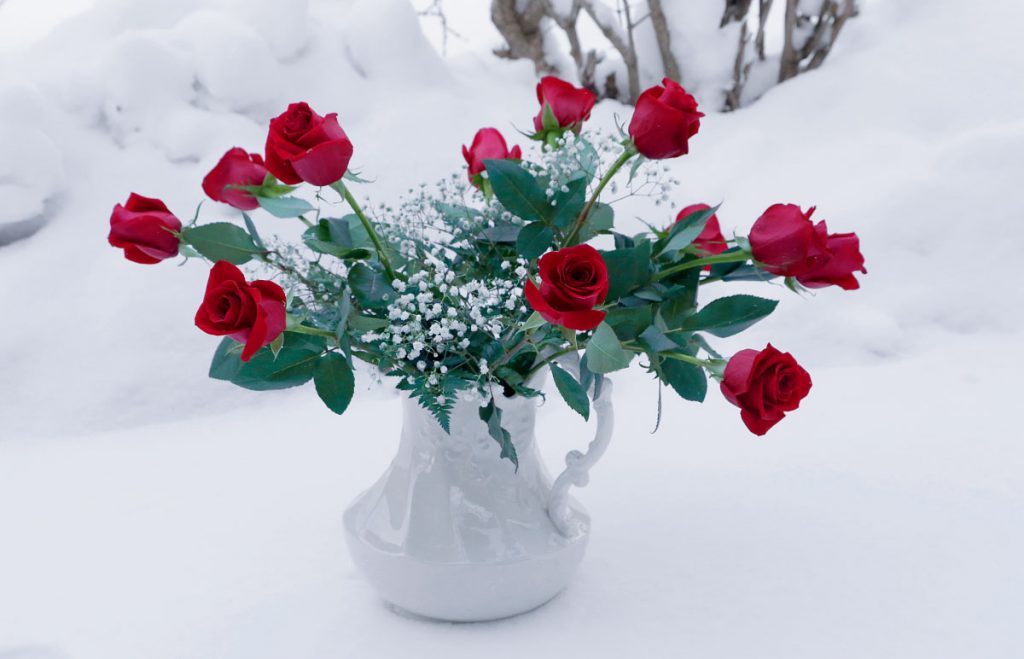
<point x="303" y="146"/>
<point x="574" y="280"/>
<point x="764" y="385"/>
<point x="252" y="313"/>
<point x="844" y="259"/>
<point x="784" y="241"/>
<point x="143" y="228"/>
<point x="236" y="168"/>
<point x="570" y="105"/>
<point x="710" y="241"/>
<point x="665" y="119"/>
<point x="488" y="144"/>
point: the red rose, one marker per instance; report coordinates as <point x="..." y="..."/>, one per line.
<point x="845" y="259"/>
<point x="303" y="146"/>
<point x="710" y="241"/>
<point x="784" y="241"/>
<point x="570" y="105"/>
<point x="573" y="281"/>
<point x="236" y="168"/>
<point x="488" y="144"/>
<point x="764" y="385"/>
<point x="143" y="229"/>
<point x="249" y="312"/>
<point x="664" y="120"/>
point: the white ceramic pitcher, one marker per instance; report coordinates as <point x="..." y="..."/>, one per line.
<point x="451" y="531"/>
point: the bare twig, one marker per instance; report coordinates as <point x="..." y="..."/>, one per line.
<point x="661" y="33"/>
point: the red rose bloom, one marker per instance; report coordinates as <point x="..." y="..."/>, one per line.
<point x="710" y="241"/>
<point x="142" y="228"/>
<point x="570" y="105"/>
<point x="764" y="385"/>
<point x="664" y="120"/>
<point x="784" y="241"/>
<point x="303" y="146"/>
<point x="236" y="168"/>
<point x="488" y="144"/>
<point x="845" y="259"/>
<point x="249" y="312"/>
<point x="573" y="281"/>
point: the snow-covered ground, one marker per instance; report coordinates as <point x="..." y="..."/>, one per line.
<point x="146" y="511"/>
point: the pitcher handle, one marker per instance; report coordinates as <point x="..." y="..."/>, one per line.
<point x="577" y="464"/>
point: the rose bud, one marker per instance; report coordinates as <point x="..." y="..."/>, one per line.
<point x="784" y="241"/>
<point x="303" y="146"/>
<point x="573" y="281"/>
<point x="144" y="229"/>
<point x="488" y="144"/>
<point x="764" y="385"/>
<point x="710" y="241"/>
<point x="569" y="105"/>
<point x="844" y="261"/>
<point x="252" y="313"/>
<point x="236" y="168"/>
<point x="664" y="120"/>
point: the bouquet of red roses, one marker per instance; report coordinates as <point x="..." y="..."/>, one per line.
<point x="474" y="287"/>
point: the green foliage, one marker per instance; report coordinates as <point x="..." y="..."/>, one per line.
<point x="600" y="218"/>
<point x="335" y="383"/>
<point x="333" y="236"/>
<point x="534" y="240"/>
<point x="683" y="232"/>
<point x="490" y="414"/>
<point x="628" y="268"/>
<point x="630" y="322"/>
<point x="688" y="380"/>
<point x="604" y="351"/>
<point x="285" y="206"/>
<point x="572" y="391"/>
<point x="293" y="365"/>
<point x="370" y="287"/>
<point x="222" y="241"/>
<point x="730" y="315"/>
<point x="518" y="191"/>
<point x="568" y="205"/>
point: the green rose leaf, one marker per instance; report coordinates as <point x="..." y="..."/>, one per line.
<point x="491" y="415"/>
<point x="572" y="391"/>
<point x="370" y="287"/>
<point x="285" y="206"/>
<point x="569" y="204"/>
<point x="534" y="240"/>
<point x="601" y="218"/>
<point x="332" y="236"/>
<point x="518" y="191"/>
<point x="293" y="365"/>
<point x="334" y="381"/>
<point x="604" y="352"/>
<point x="688" y="380"/>
<point x="222" y="241"/>
<point x="628" y="269"/>
<point x="686" y="230"/>
<point x="730" y="315"/>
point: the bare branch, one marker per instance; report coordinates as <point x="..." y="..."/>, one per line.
<point x="763" y="8"/>
<point x="661" y="33"/>
<point x="621" y="42"/>
<point x="520" y="24"/>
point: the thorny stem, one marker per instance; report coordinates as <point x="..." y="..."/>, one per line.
<point x="616" y="166"/>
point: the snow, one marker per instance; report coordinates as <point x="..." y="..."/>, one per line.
<point x="146" y="511"/>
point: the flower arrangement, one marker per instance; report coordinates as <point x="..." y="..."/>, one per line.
<point x="473" y="288"/>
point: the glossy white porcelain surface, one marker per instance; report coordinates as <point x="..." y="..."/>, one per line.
<point x="451" y="531"/>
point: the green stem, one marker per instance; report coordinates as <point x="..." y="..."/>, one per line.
<point x="377" y="243"/>
<point x="547" y="361"/>
<point x="616" y="166"/>
<point x="730" y="257"/>
<point x="312" y="331"/>
<point x="305" y="221"/>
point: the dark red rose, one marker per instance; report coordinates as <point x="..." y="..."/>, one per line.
<point x="303" y="146"/>
<point x="784" y="241"/>
<point x="570" y="105"/>
<point x="764" y="385"/>
<point x="143" y="229"/>
<point x="488" y="144"/>
<point x="252" y="313"/>
<point x="664" y="120"/>
<point x="236" y="168"/>
<point x="574" y="280"/>
<point x="845" y="259"/>
<point x="710" y="241"/>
